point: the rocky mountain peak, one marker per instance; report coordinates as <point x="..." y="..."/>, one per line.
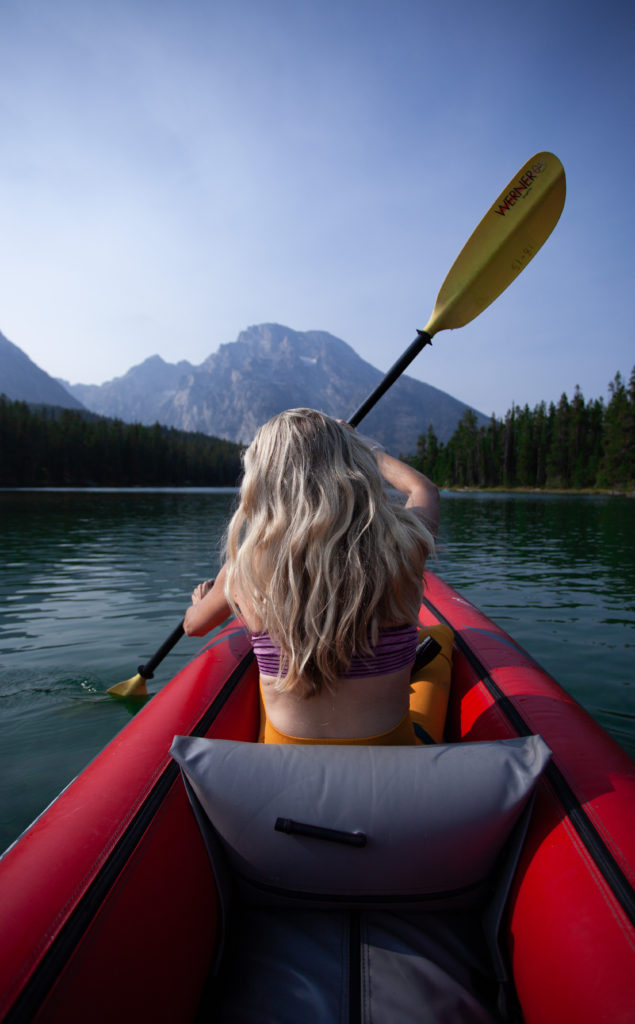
<point x="268" y="368"/>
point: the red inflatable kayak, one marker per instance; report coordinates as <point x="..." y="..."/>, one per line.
<point x="109" y="905"/>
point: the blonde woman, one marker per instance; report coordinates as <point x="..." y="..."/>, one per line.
<point x="326" y="573"/>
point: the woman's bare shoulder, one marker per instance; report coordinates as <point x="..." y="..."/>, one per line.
<point x="248" y="613"/>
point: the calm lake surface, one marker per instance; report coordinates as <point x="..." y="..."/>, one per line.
<point x="91" y="583"/>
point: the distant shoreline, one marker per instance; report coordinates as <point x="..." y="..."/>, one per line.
<point x="608" y="492"/>
<point x="193" y="488"/>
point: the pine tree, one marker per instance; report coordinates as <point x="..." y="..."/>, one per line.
<point x="575" y="444"/>
<point x="509" y="449"/>
<point x="558" y="456"/>
<point x="618" y="464"/>
<point x="526" y="450"/>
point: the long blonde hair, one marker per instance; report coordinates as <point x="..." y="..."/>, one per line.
<point x="317" y="549"/>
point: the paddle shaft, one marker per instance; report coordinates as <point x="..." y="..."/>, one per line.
<point x="147" y="670"/>
<point x="413" y="350"/>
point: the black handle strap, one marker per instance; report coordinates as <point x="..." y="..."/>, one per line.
<point x="331" y="835"/>
<point x="426" y="651"/>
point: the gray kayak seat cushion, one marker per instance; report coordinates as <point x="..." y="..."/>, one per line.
<point x="355" y="827"/>
<point x="382" y="954"/>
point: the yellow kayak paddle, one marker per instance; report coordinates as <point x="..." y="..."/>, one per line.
<point x="498" y="250"/>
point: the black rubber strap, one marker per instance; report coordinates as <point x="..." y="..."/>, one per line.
<point x="426" y="651"/>
<point x="331" y="835"/>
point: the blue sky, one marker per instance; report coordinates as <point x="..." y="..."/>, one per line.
<point x="174" y="171"/>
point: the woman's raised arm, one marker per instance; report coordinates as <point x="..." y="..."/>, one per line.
<point x="422" y="494"/>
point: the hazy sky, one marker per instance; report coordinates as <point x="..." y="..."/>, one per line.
<point x="173" y="171"/>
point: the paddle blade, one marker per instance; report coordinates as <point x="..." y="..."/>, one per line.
<point x="505" y="241"/>
<point x="133" y="687"/>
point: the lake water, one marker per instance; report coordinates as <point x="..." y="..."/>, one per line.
<point x="91" y="583"/>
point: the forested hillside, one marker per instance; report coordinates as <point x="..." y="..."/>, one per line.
<point x="52" y="447"/>
<point x="575" y="444"/>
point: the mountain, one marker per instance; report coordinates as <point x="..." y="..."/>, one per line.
<point x="21" y="380"/>
<point x="138" y="395"/>
<point x="269" y="368"/>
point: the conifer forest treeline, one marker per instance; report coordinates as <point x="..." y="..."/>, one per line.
<point x="572" y="445"/>
<point x="51" y="447"/>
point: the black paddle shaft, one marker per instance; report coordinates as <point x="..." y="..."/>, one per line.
<point x="147" y="670"/>
<point x="422" y="339"/>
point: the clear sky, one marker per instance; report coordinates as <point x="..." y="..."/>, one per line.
<point x="173" y="171"/>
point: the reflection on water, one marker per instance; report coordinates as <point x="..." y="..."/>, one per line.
<point x="558" y="573"/>
<point x="93" y="581"/>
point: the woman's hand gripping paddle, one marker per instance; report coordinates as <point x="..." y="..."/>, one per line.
<point x="497" y="251"/>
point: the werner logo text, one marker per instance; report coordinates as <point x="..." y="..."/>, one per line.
<point x="519" y="190"/>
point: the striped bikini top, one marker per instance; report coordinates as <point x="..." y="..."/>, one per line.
<point x="396" y="649"/>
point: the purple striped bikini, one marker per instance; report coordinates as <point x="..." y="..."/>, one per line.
<point x="395" y="650"/>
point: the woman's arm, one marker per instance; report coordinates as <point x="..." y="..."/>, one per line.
<point x="209" y="607"/>
<point x="422" y="494"/>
